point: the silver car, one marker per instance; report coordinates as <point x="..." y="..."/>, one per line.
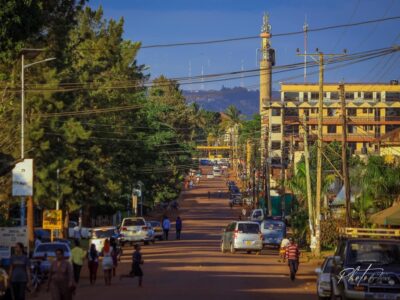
<point x="134" y="230"/>
<point x="242" y="235"/>
<point x="324" y="278"/>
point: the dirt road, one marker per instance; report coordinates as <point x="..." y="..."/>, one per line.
<point x="194" y="268"/>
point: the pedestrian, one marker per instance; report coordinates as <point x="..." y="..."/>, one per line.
<point x="166" y="224"/>
<point x="292" y="255"/>
<point x="20" y="275"/>
<point x="231" y="203"/>
<point x="61" y="280"/>
<point x="178" y="227"/>
<point x="77" y="233"/>
<point x="5" y="292"/>
<point x="244" y="212"/>
<point x="93" y="263"/>
<point x="137" y="260"/>
<point x="209" y="194"/>
<point x="77" y="257"/>
<point x="197" y="180"/>
<point x="114" y="255"/>
<point x="191" y="184"/>
<point x="107" y="262"/>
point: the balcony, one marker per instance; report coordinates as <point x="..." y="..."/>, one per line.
<point x="336" y="120"/>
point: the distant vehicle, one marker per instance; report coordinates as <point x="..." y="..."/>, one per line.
<point x="100" y="234"/>
<point x="366" y="264"/>
<point x="158" y="231"/>
<point x="210" y="176"/>
<point x="72" y="225"/>
<point x="135" y="230"/>
<point x="46" y="253"/>
<point x="151" y="232"/>
<point x="234" y="189"/>
<point x="217" y="171"/>
<point x="324" y="278"/>
<point x="236" y="199"/>
<point x="273" y="232"/>
<point x="242" y="235"/>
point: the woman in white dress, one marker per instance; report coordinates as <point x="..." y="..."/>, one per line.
<point x="107" y="262"/>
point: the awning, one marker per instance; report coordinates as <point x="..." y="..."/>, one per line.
<point x="389" y="216"/>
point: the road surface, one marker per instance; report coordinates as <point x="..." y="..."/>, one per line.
<point x="194" y="268"/>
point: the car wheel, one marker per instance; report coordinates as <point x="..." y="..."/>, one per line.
<point x="233" y="251"/>
<point x="222" y="248"/>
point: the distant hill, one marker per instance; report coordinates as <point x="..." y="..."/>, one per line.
<point x="247" y="101"/>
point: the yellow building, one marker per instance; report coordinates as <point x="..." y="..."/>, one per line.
<point x="373" y="109"/>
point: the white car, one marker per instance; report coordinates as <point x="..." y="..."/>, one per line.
<point x="324" y="278"/>
<point x="100" y="234"/>
<point x="135" y="230"/>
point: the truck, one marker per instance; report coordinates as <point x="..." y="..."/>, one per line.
<point x="366" y="264"/>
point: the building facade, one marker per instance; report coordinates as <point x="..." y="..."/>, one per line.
<point x="373" y="109"/>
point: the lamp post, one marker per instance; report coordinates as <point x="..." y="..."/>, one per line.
<point x="140" y="184"/>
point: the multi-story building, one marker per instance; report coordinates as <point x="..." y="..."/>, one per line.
<point x="373" y="109"/>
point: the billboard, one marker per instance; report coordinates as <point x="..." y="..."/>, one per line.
<point x="52" y="219"/>
<point x="9" y="236"/>
<point x="22" y="178"/>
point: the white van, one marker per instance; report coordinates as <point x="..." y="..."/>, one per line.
<point x="216" y="171"/>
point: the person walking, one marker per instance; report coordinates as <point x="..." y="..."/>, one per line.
<point x="107" y="261"/>
<point x="93" y="263"/>
<point x="20" y="275"/>
<point x="178" y="227"/>
<point x="114" y="255"/>
<point x="209" y="194"/>
<point x="137" y="260"/>
<point x="77" y="257"/>
<point x="61" y="280"/>
<point x="292" y="255"/>
<point x="166" y="224"/>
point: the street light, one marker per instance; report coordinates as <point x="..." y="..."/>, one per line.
<point x="141" y="184"/>
<point x="23" y="67"/>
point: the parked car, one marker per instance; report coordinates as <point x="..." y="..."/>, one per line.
<point x="366" y="264"/>
<point x="151" y="232"/>
<point x="273" y="232"/>
<point x="210" y="176"/>
<point x="135" y="230"/>
<point x="217" y="172"/>
<point x="324" y="278"/>
<point x="158" y="231"/>
<point x="46" y="252"/>
<point x="73" y="226"/>
<point x="242" y="235"/>
<point x="100" y="234"/>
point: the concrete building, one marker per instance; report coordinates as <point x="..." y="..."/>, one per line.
<point x="373" y="109"/>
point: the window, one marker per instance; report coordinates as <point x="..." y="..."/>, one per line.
<point x="292" y="129"/>
<point x="349" y="96"/>
<point x="291" y="96"/>
<point x="368" y="127"/>
<point x="314" y="95"/>
<point x="378" y="96"/>
<point x="352" y="112"/>
<point x="331" y="128"/>
<point x="351" y="129"/>
<point x="276" y="112"/>
<point x="292" y="112"/>
<point x="334" y="96"/>
<point x="332" y="112"/>
<point x="306" y="112"/>
<point x="392" y="96"/>
<point x="313" y="127"/>
<point x="305" y="96"/>
<point x="275" y="145"/>
<point x="249" y="228"/>
<point x="276" y="128"/>
<point x="393" y="112"/>
<point x="367" y="110"/>
<point x="314" y="110"/>
<point x="368" y="96"/>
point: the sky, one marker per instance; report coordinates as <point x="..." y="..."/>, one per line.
<point x="174" y="21"/>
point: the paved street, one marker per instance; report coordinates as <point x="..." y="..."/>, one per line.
<point x="194" y="268"/>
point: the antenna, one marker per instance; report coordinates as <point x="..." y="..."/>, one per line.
<point x="190" y="75"/>
<point x="305" y="29"/>
<point x="241" y="77"/>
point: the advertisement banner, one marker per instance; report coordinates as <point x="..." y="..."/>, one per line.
<point x="9" y="236"/>
<point x="52" y="219"/>
<point x="22" y="178"/>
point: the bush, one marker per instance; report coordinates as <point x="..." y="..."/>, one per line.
<point x="330" y="232"/>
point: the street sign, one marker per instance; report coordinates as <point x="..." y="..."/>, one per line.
<point x="9" y="236"/>
<point x="52" y="219"/>
<point x="22" y="178"/>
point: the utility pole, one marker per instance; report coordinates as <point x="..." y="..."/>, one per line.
<point x="283" y="204"/>
<point x="267" y="192"/>
<point x="308" y="180"/>
<point x="320" y="61"/>
<point x="345" y="166"/>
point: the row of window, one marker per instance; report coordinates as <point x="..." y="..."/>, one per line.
<point x="331" y="112"/>
<point x="294" y="129"/>
<point x="334" y="96"/>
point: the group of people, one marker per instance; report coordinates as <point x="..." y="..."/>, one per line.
<point x="166" y="226"/>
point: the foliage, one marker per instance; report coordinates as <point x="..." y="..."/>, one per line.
<point x="330" y="231"/>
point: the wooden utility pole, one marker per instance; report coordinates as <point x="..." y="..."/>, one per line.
<point x="308" y="180"/>
<point x="283" y="204"/>
<point x="345" y="166"/>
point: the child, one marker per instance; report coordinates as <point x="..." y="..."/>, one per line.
<point x="136" y="262"/>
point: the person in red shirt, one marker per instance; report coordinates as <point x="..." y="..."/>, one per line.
<point x="292" y="255"/>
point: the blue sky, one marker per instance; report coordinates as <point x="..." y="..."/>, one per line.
<point x="169" y="21"/>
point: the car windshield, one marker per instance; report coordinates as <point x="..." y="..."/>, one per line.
<point x="273" y="225"/>
<point x="248" y="228"/>
<point x="374" y="252"/>
<point x="51" y="247"/>
<point x="102" y="233"/>
<point x="133" y="222"/>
